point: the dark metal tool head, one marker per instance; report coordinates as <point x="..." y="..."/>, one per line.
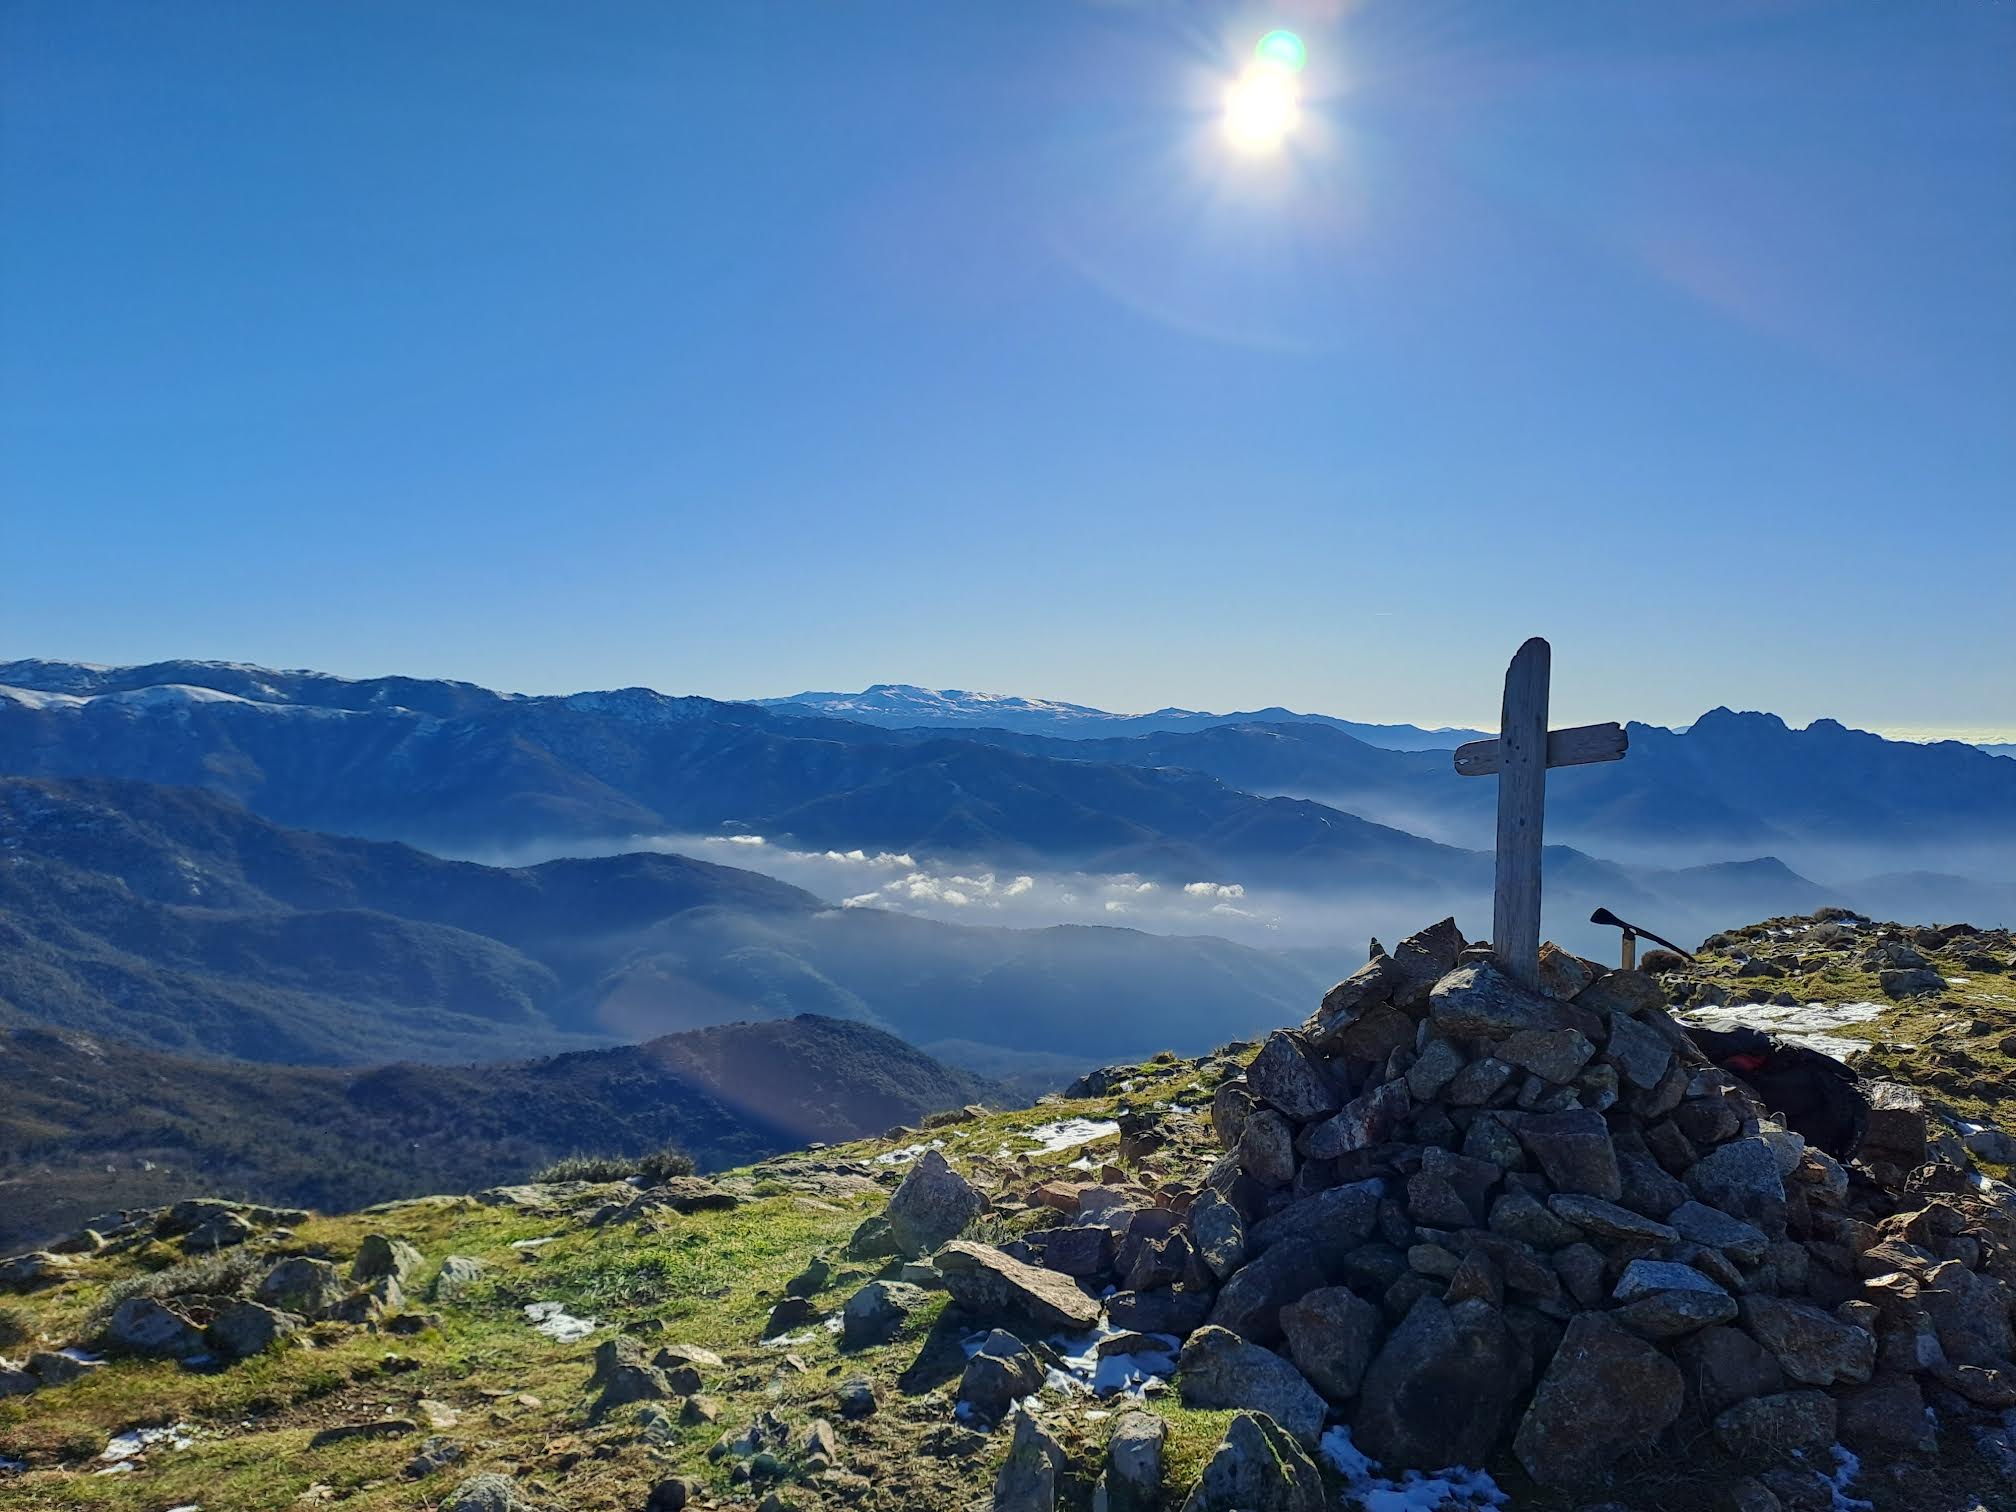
<point x="1604" y="916"/>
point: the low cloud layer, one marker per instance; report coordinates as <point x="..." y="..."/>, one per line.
<point x="898" y="881"/>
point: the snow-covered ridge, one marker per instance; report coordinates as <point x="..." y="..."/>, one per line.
<point x="635" y="705"/>
<point x="939" y="703"/>
<point x="71" y="686"/>
<point x="902" y="705"/>
<point x="159" y="696"/>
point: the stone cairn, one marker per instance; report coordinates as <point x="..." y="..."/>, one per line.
<point x="1454" y="1212"/>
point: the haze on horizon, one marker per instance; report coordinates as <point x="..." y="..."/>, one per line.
<point x="743" y="350"/>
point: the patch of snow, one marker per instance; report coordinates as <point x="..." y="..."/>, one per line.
<point x="535" y="1243"/>
<point x="1999" y="1192"/>
<point x="1795" y="1023"/>
<point x="1958" y="981"/>
<point x="122" y="1467"/>
<point x="1846" y="1467"/>
<point x="135" y="1442"/>
<point x="787" y="1341"/>
<point x="81" y="1356"/>
<point x="907" y="1154"/>
<point x="1444" y="1491"/>
<point x="554" y="1321"/>
<point x="835" y="1323"/>
<point x="1084" y="1369"/>
<point x="1064" y="1134"/>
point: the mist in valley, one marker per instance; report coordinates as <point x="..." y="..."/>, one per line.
<point x="1324" y="930"/>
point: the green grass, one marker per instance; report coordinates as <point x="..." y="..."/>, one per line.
<point x="658" y="1165"/>
<point x="707" y="1279"/>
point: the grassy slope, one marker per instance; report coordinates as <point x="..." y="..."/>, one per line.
<point x="709" y="1280"/>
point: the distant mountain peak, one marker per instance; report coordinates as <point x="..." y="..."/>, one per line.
<point x="1722" y="717"/>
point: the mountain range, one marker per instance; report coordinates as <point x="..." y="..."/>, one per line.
<point x="1301" y="806"/>
<point x="457" y="770"/>
<point x="1740" y="783"/>
<point x="907" y="706"/>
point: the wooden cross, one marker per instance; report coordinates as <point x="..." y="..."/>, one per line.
<point x="1520" y="756"/>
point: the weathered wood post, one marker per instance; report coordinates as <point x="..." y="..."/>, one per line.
<point x="1522" y="803"/>
<point x="1520" y="757"/>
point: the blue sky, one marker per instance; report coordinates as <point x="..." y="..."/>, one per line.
<point x="742" y="348"/>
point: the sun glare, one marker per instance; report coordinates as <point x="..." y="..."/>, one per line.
<point x="1261" y="108"/>
<point x="1263" y="104"/>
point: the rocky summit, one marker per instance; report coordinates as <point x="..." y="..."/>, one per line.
<point x="1446" y="1243"/>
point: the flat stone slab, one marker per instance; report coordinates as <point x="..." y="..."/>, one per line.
<point x="984" y="1281"/>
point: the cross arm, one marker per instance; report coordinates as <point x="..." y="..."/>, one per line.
<point x="1576" y="747"/>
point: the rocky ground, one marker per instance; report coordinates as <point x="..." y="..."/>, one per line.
<point x="1527" y="1241"/>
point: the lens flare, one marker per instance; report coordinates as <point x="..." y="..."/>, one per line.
<point x="1282" y="49"/>
<point x="1261" y="108"/>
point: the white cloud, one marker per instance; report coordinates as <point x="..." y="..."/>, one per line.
<point x="1018" y="887"/>
<point x="882" y="859"/>
<point x="745" y="840"/>
<point x="1214" y="889"/>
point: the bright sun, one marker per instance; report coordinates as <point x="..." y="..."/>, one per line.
<point x="1261" y="108"/>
